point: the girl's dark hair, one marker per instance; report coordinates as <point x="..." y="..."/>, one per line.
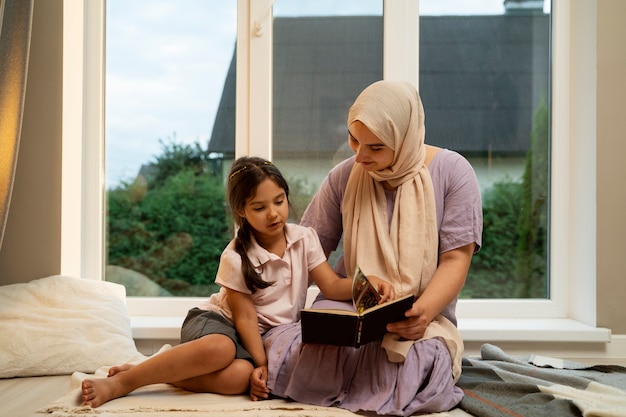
<point x="245" y="175"/>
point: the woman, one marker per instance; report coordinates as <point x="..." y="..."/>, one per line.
<point x="410" y="213"/>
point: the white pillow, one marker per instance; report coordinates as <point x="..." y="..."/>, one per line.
<point x="59" y="325"/>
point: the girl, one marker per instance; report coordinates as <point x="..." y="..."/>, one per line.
<point x="264" y="274"/>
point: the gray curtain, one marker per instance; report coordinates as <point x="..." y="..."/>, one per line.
<point x="16" y="18"/>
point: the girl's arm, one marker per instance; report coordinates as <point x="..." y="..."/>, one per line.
<point x="336" y="288"/>
<point x="247" y="325"/>
<point x="444" y="287"/>
<point x="330" y="284"/>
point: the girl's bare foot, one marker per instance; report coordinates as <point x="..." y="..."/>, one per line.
<point x="119" y="368"/>
<point x="97" y="391"/>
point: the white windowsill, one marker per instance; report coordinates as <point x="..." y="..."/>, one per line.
<point x="479" y="330"/>
<point x="536" y="329"/>
<point x="484" y="330"/>
<point x="156" y="327"/>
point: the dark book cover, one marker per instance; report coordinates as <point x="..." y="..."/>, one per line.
<point x="350" y="328"/>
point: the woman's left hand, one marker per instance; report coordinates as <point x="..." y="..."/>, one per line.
<point x="414" y="327"/>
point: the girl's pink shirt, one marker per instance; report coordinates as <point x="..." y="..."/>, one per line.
<point x="281" y="302"/>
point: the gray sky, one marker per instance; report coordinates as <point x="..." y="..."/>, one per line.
<point x="166" y="66"/>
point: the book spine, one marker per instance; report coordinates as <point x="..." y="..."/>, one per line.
<point x="358" y="332"/>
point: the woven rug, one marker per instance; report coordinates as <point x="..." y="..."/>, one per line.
<point x="164" y="400"/>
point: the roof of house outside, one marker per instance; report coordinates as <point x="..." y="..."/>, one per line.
<point x="481" y="80"/>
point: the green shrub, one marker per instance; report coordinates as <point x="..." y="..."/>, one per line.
<point x="532" y="261"/>
<point x="172" y="228"/>
<point x="513" y="261"/>
<point x="492" y="272"/>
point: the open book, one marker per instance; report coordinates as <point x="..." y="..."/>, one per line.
<point x="365" y="322"/>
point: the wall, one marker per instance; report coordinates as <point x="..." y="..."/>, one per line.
<point x="31" y="246"/>
<point x="611" y="169"/>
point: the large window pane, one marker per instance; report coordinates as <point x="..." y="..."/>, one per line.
<point x="166" y="63"/>
<point x="484" y="80"/>
<point x="325" y="53"/>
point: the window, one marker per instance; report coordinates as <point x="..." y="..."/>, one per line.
<point x="323" y="56"/>
<point x="484" y="80"/>
<point x="572" y="292"/>
<point x="483" y="77"/>
<point x="169" y="67"/>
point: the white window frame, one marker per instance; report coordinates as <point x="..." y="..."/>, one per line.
<point x="569" y="314"/>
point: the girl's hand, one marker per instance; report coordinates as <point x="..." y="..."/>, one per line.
<point x="384" y="288"/>
<point x="258" y="387"/>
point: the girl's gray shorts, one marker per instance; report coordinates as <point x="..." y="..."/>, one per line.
<point x="200" y="323"/>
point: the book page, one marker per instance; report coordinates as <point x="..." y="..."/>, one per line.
<point x="364" y="294"/>
<point x="375" y="319"/>
<point x="330" y="311"/>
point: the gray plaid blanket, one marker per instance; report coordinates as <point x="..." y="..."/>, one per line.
<point x="499" y="385"/>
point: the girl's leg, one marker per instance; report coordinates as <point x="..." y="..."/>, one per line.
<point x="234" y="379"/>
<point x="202" y="356"/>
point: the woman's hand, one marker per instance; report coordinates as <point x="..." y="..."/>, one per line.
<point x="414" y="326"/>
<point x="384" y="288"/>
<point x="258" y="386"/>
<point x="444" y="287"/>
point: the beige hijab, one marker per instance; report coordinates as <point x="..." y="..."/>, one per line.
<point x="403" y="251"/>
